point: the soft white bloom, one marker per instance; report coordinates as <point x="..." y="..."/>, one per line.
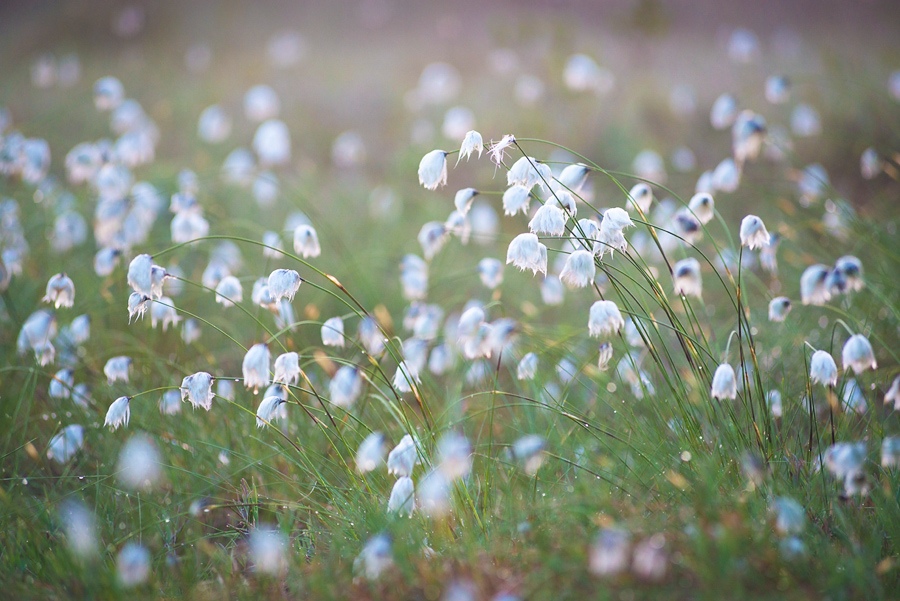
<point x="846" y="275"/>
<point x="458" y="120"/>
<point x="773" y="399"/>
<point x="893" y="394"/>
<point x="724" y="112"/>
<point x="432" y="237"/>
<point x="528" y="172"/>
<point x="371" y="452"/>
<point x="609" y="553"/>
<point x="586" y="234"/>
<point x="190" y="331"/>
<point x="214" y="125"/>
<point x="197" y="389"/>
<point x="117" y="368"/>
<point x="743" y="46"/>
<point x="106" y="260"/>
<point x="261" y="103"/>
<point x="768" y="258"/>
<point x="454" y="455"/>
<point x="119" y="413"/>
<point x="491" y="272"/>
<point x="579" y="270"/>
<point x="433" y="170"/>
<point x="605" y="318"/>
<point x="229" y="291"/>
<point x="345" y="387"/>
<point x="306" y="241"/>
<point x="469" y="322"/>
<point x="687" y="226"/>
<point x="133" y="565"/>
<point x="527" y="367"/>
<point x="64" y="445"/>
<point x="894" y="85"/>
<point x="805" y="121"/>
<point x="614" y="221"/>
<point x="471" y="142"/>
<point x="163" y="311"/>
<point x="225" y="389"/>
<point x="724" y="384"/>
<point x="333" y="332"/>
<point x="641" y="196"/>
<point x="529" y="451"/>
<point x="549" y="219"/>
<point x="255" y="367"/>
<point x="498" y="149"/>
<point x="283" y="283"/>
<point x="61" y="384"/>
<point x="157" y="279"/>
<point x="463" y="200"/>
<point x="686" y="276"/>
<point x="273" y="246"/>
<point x="170" y="403"/>
<point x="402" y="458"/>
<point x="188" y="226"/>
<point x="239" y="167"/>
<point x="649" y="560"/>
<point x="778" y="89"/>
<point x="870" y="164"/>
<point x="858" y="354"/>
<point x="552" y="291"/>
<point x="268" y="410"/>
<point x="433" y="494"/>
<point x="371" y="336"/>
<point x="844" y="458"/>
<point x="516" y="198"/>
<point x="822" y="369"/>
<point x="375" y="558"/>
<point x="813" y="183"/>
<point x="582" y="74"/>
<point x="268" y="550"/>
<point x="649" y="165"/>
<point x="139" y="274"/>
<point x="60" y="291"/>
<point x="414" y="277"/>
<point x="574" y="176"/>
<point x="108" y="93"/>
<point x="753" y="232"/>
<point x="814" y="289"/>
<point x="458" y="225"/>
<point x="703" y="207"/>
<point x="890" y="451"/>
<point x="604" y="356"/>
<point x="726" y="176"/>
<point x="80" y="527"/>
<point x="526" y="252"/>
<point x="441" y="359"/>
<point x="403" y="497"/>
<point x="415" y="353"/>
<point x="287" y="368"/>
<point x="80" y="329"/>
<point x="501" y="334"/>
<point x="747" y="136"/>
<point x="214" y="272"/>
<point x="853" y="397"/>
<point x="779" y="308"/>
<point x="272" y="143"/>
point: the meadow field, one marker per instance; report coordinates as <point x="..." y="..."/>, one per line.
<point x="379" y="299"/>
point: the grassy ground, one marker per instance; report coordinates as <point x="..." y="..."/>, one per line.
<point x="693" y="480"/>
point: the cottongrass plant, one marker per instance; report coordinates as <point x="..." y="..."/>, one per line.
<point x="485" y="416"/>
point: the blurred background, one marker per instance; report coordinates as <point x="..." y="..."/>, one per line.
<point x="342" y="67"/>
